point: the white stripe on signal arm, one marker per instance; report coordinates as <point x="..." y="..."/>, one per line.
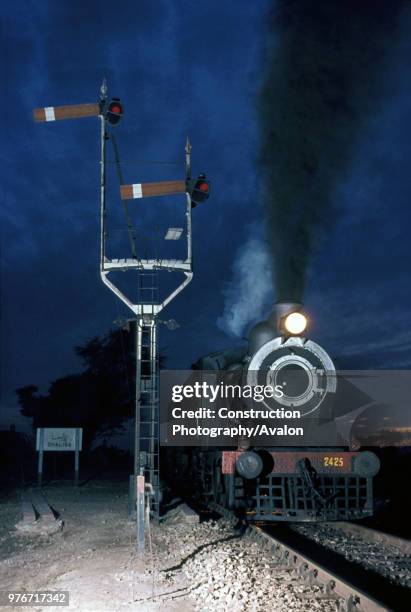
<point x="137" y="190"/>
<point x="49" y="113"/>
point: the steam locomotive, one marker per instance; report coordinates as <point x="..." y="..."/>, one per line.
<point x="312" y="480"/>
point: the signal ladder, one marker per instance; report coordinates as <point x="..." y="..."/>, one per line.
<point x="147" y="387"/>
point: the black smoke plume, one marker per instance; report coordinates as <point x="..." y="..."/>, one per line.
<point x="324" y="67"/>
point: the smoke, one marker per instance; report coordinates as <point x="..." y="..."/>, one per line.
<point x="250" y="290"/>
<point x="323" y="78"/>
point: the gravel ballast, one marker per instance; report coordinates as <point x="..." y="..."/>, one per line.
<point x="227" y="571"/>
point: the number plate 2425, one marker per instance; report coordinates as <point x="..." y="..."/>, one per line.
<point x="333" y="461"/>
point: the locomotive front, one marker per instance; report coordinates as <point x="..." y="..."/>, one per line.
<point x="311" y="481"/>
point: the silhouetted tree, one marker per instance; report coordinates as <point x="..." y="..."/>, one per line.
<point x="99" y="399"/>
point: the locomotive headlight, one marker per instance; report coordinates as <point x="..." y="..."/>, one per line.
<point x="295" y="323"/>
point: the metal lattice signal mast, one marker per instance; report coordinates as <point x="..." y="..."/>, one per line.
<point x="146" y="458"/>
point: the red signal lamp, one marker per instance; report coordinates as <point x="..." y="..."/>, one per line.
<point x="114" y="111"/>
<point x="198" y="189"/>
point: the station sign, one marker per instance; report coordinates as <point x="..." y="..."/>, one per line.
<point x="59" y="439"/>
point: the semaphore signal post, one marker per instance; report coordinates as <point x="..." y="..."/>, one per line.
<point x="147" y="305"/>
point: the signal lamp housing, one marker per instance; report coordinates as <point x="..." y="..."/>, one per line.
<point x="114" y="111"/>
<point x="199" y="189"/>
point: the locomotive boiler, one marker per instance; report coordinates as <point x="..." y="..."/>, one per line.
<point x="320" y="477"/>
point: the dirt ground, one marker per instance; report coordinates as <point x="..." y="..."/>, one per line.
<point x="93" y="556"/>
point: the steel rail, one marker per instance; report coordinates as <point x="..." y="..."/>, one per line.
<point x="312" y="572"/>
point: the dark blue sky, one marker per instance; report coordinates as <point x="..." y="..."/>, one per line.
<point x="183" y="68"/>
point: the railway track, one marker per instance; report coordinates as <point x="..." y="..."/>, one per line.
<point x="378" y="552"/>
<point x="353" y="588"/>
